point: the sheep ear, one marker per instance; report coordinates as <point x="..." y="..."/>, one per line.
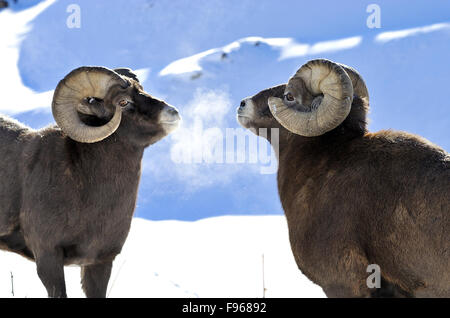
<point x="127" y="72"/>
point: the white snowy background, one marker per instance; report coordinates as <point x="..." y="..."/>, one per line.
<point x="201" y="229"/>
<point x="213" y="257"/>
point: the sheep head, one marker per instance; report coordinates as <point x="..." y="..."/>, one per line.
<point x="318" y="98"/>
<point x="90" y="104"/>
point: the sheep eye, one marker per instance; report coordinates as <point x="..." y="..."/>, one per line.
<point x="123" y="103"/>
<point x="289" y="97"/>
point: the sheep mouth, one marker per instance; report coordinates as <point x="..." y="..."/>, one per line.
<point x="170" y="125"/>
<point x="243" y="114"/>
<point x="170" y="122"/>
<point x="244" y="121"/>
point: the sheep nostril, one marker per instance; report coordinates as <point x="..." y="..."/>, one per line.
<point x="242" y="104"/>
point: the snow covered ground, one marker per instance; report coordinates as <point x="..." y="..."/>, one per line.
<point x="214" y="257"/>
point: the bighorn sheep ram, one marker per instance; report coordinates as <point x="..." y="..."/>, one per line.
<point x="68" y="192"/>
<point x="351" y="197"/>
